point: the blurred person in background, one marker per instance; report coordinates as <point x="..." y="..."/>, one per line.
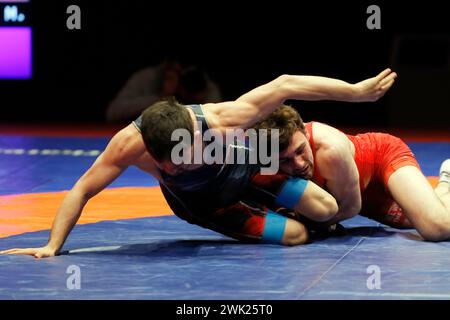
<point x="187" y="82"/>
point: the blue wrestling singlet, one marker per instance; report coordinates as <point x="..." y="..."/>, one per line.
<point x="192" y="195"/>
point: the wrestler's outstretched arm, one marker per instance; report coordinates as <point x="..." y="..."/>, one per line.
<point x="107" y="167"/>
<point x="258" y="103"/>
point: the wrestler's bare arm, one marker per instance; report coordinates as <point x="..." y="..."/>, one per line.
<point x="335" y="159"/>
<point x="121" y="152"/>
<point x="258" y="103"/>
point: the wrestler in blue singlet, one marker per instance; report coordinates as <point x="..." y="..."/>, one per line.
<point x="231" y="198"/>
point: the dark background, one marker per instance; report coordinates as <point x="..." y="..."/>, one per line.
<point x="242" y="44"/>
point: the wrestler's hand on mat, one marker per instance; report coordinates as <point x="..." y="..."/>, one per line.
<point x="372" y="89"/>
<point x="43" y="252"/>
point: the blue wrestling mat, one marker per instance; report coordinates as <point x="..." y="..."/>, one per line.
<point x="167" y="258"/>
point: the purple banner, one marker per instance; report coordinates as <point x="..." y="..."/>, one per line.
<point x="15" y="53"/>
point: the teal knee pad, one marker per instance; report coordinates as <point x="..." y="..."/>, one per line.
<point x="291" y="193"/>
<point x="274" y="227"/>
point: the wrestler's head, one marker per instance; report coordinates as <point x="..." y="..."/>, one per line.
<point x="159" y="121"/>
<point x="296" y="157"/>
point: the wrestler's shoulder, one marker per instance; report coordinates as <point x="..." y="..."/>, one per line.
<point x="326" y="134"/>
<point x="127" y="144"/>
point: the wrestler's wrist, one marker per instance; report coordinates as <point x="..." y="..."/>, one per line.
<point x="356" y="93"/>
<point x="53" y="247"/>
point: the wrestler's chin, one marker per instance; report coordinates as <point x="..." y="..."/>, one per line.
<point x="309" y="176"/>
<point x="304" y="175"/>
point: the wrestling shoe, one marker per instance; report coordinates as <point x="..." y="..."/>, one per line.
<point x="444" y="172"/>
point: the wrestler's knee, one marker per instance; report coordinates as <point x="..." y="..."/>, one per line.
<point x="329" y="208"/>
<point x="295" y="233"/>
<point x="316" y="204"/>
<point x="438" y="230"/>
<point x="320" y="209"/>
<point x="435" y="234"/>
<point x="279" y="229"/>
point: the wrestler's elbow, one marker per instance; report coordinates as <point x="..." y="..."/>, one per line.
<point x="355" y="209"/>
<point x="350" y="209"/>
<point x="283" y="80"/>
<point x="283" y="85"/>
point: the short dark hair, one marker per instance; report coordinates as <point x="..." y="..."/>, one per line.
<point x="158" y="123"/>
<point x="287" y="120"/>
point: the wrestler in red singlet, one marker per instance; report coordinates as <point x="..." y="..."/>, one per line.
<point x="377" y="156"/>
